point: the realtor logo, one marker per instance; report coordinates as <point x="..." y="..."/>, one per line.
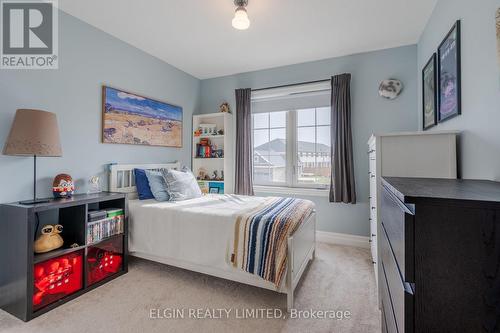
<point x="29" y="34"/>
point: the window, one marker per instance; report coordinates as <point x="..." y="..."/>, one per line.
<point x="291" y="135"/>
<point x="269" y="143"/>
<point x="313" y="147"/>
<point x="292" y="148"/>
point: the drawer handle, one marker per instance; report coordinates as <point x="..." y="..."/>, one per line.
<point x="374" y="207"/>
<point x="398" y="202"/>
<point x="373" y="235"/>
<point x="372" y="176"/>
<point x="371" y="151"/>
<point x="369" y="241"/>
<point x="409" y="288"/>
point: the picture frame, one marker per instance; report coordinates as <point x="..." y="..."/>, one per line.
<point x="214" y="190"/>
<point x="129" y="118"/>
<point x="429" y="94"/>
<point x="449" y="75"/>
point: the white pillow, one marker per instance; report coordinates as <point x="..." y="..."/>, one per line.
<point x="181" y="185"/>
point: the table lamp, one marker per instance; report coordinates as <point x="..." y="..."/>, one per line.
<point x="33" y="133"/>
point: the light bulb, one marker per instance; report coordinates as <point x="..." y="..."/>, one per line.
<point x="240" y="20"/>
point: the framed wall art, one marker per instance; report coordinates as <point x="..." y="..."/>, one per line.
<point x="449" y="75"/>
<point x="429" y="94"/>
<point x="129" y="118"/>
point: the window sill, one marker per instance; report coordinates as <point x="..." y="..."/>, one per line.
<point x="292" y="190"/>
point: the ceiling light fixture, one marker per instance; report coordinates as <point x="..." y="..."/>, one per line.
<point x="240" y="20"/>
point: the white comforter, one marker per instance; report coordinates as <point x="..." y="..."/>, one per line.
<point x="197" y="231"/>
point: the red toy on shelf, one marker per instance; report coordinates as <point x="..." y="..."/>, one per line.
<point x="56" y="278"/>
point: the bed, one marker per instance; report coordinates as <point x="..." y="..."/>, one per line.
<point x="198" y="234"/>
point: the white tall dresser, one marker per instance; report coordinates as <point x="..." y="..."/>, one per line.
<point x="409" y="154"/>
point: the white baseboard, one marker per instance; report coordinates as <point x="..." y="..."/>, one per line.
<point x="342" y="239"/>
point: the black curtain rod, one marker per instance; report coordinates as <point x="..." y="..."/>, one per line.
<point x="291" y="85"/>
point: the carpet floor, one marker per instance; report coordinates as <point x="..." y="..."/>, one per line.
<point x="340" y="279"/>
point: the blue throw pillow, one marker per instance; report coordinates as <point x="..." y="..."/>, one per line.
<point x="158" y="185"/>
<point x="142" y="185"/>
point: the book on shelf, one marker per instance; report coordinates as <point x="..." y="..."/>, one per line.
<point x="96" y="215"/>
<point x="111" y="225"/>
<point x="114" y="212"/>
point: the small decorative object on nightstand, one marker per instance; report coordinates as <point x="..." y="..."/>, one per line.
<point x="63" y="186"/>
<point x="50" y="239"/>
<point x="94" y="183"/>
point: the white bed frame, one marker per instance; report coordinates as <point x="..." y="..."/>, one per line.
<point x="301" y="245"/>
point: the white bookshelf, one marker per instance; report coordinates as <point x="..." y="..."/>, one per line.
<point x="223" y="121"/>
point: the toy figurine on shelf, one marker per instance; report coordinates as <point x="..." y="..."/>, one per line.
<point x="201" y="174"/>
<point x="220" y="132"/>
<point x="197" y="132"/>
<point x="224" y="107"/>
<point x="63" y="186"/>
<point x="222" y="175"/>
<point x="49" y="239"/>
<point x="215" y="175"/>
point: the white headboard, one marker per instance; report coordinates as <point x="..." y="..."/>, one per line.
<point x="122" y="179"/>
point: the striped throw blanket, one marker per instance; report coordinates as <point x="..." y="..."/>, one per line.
<point x="260" y="236"/>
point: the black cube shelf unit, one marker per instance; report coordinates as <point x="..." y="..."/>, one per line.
<point x="28" y="277"/>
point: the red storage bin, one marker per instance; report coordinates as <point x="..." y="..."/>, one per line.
<point x="104" y="259"/>
<point x="57" y="278"/>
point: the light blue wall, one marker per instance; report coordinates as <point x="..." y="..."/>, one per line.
<point x="89" y="58"/>
<point x="480" y="119"/>
<point x="370" y="113"/>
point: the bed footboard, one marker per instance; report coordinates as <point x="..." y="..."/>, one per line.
<point x="301" y="249"/>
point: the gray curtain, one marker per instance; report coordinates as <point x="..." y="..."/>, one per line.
<point x="342" y="185"/>
<point x="244" y="167"/>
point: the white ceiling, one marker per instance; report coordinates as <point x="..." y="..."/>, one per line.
<point x="196" y="36"/>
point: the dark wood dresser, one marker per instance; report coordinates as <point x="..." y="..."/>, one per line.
<point x="439" y="262"/>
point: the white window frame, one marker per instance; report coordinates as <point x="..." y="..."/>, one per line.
<point x="291" y="159"/>
<point x="269" y="128"/>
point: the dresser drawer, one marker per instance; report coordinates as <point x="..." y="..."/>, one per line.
<point x="384" y="322"/>
<point x="400" y="292"/>
<point x="372" y="165"/>
<point x="386" y="303"/>
<point x="398" y="221"/>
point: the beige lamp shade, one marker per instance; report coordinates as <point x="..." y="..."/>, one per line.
<point x="34" y="132"/>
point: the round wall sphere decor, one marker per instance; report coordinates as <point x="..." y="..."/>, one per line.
<point x="390" y="88"/>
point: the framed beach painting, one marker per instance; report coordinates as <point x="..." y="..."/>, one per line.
<point x="429" y="94"/>
<point x="449" y="75"/>
<point x="129" y="118"/>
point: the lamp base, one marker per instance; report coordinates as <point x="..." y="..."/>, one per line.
<point x="34" y="202"/>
